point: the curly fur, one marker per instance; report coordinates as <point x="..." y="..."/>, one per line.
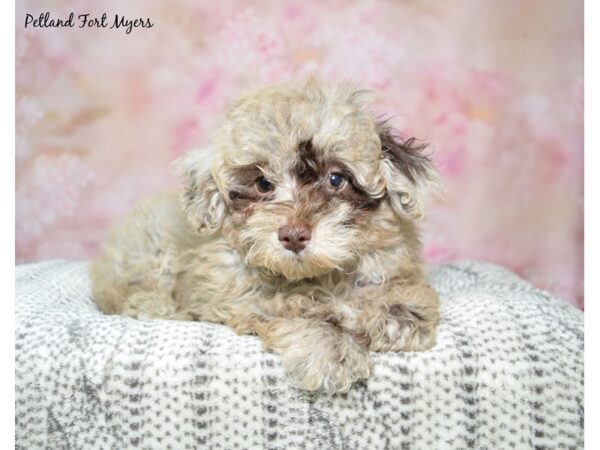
<point x="212" y="253"/>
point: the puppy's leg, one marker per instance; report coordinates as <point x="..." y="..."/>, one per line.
<point x="153" y="305"/>
<point x="136" y="269"/>
<point x="140" y="295"/>
<point x="403" y="317"/>
<point x="316" y="354"/>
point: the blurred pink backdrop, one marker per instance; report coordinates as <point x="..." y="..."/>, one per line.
<point x="496" y="88"/>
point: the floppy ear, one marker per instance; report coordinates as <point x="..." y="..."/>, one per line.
<point x="202" y="202"/>
<point x="409" y="173"/>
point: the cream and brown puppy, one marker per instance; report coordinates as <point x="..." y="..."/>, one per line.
<point x="300" y="229"/>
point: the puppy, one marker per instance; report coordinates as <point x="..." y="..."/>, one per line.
<point x="300" y="230"/>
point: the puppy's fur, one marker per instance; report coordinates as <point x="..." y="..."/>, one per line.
<point x="214" y="253"/>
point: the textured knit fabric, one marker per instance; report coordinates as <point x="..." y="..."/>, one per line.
<point x="506" y="372"/>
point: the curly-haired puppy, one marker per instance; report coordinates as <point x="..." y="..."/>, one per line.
<point x="300" y="229"/>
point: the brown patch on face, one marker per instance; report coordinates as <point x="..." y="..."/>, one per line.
<point x="308" y="167"/>
<point x="247" y="175"/>
<point x="245" y="192"/>
<point x="312" y="170"/>
<point x="315" y="194"/>
<point x="407" y="156"/>
<point x="242" y="198"/>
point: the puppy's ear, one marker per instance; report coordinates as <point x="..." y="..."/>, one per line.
<point x="202" y="202"/>
<point x="409" y="173"/>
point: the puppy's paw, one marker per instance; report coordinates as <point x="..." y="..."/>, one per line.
<point x="318" y="356"/>
<point x="331" y="369"/>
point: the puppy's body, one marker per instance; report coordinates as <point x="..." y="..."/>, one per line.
<point x="301" y="231"/>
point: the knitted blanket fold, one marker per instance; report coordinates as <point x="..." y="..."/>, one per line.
<point x="506" y="372"/>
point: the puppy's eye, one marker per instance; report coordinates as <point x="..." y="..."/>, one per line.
<point x="264" y="185"/>
<point x="336" y="180"/>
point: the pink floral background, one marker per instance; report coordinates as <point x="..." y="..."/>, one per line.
<point x="495" y="87"/>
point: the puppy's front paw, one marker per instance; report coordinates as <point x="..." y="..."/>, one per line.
<point x="331" y="368"/>
<point x="318" y="356"/>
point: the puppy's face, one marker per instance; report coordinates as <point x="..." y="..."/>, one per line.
<point x="304" y="181"/>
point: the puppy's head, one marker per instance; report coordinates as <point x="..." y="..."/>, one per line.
<point x="305" y="180"/>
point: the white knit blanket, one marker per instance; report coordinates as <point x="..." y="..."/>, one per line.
<point x="507" y="372"/>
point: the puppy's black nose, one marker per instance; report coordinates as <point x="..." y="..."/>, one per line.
<point x="294" y="237"/>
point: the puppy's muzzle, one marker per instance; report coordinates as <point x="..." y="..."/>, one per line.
<point x="294" y="237"/>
